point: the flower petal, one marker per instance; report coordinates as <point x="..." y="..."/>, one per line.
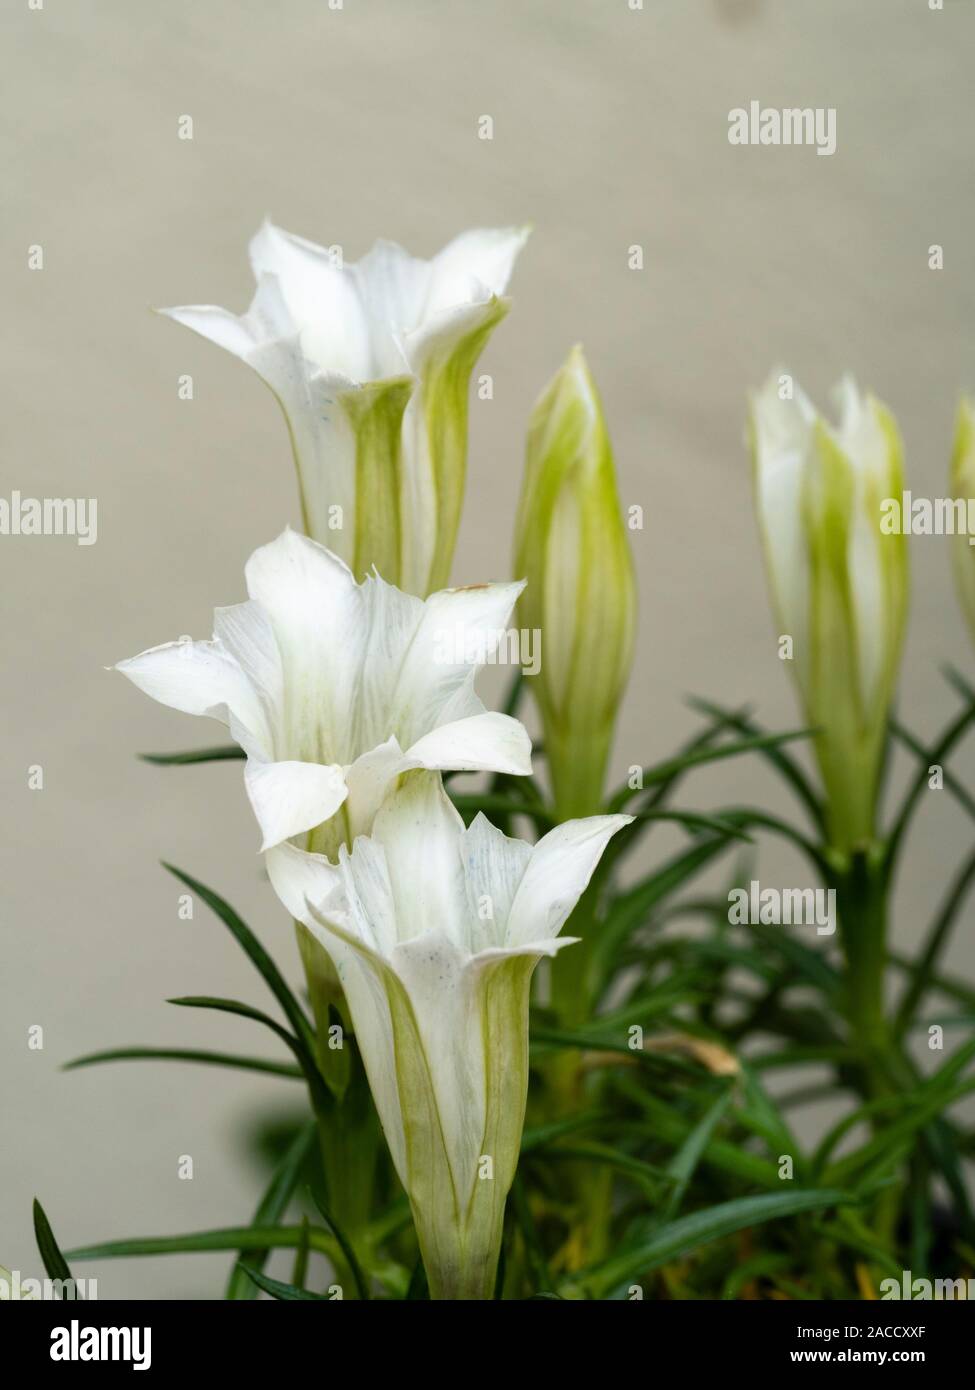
<point x="562" y="864"/>
<point x="494" y="865"/>
<point x="269" y="340"/>
<point x="458" y="631"/>
<point x="244" y="630"/>
<point x="200" y="678"/>
<point x="870" y="441"/>
<point x="452" y="337"/>
<point x="299" y="877"/>
<point x="311" y="600"/>
<point x="484" y="256"/>
<point x="290" y="797"/>
<point x="419" y="828"/>
<point x="368" y="780"/>
<point x="266" y="322"/>
<point x="393" y="287"/>
<point x="483" y="742"/>
<point x="218" y="325"/>
<point x="782" y="431"/>
<point x="322" y="300"/>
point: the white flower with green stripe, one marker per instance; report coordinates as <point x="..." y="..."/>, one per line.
<point x="435" y="931"/>
<point x="371" y="364"/>
<point x="333" y="688"/>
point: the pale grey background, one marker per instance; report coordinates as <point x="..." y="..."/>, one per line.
<point x="610" y="129"/>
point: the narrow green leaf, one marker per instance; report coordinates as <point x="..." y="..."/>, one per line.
<point x="760" y="1115"/>
<point x="661" y="772"/>
<point x="776" y="755"/>
<point x="748" y="816"/>
<point x="536" y="1136"/>
<point x="320" y="1094"/>
<point x="758" y="1267"/>
<point x="809" y="962"/>
<point x="50" y="1252"/>
<point x="940" y="1142"/>
<point x="659" y="792"/>
<point x="224" y="752"/>
<point x="684" y="1163"/>
<point x="696" y="821"/>
<point x="688" y="1233"/>
<point x="954" y="677"/>
<point x="265" y="966"/>
<point x="671" y="1127"/>
<point x="226" y="1238"/>
<point x="938" y="754"/>
<point x="583" y="1041"/>
<point x="848" y="1230"/>
<point x="922" y="975"/>
<point x="182" y="1054"/>
<point x="949" y="985"/>
<point x="958" y="791"/>
<point x="613" y="1027"/>
<point x="270" y="1210"/>
<point x="919" y="1101"/>
<point x="347" y="1248"/>
<point x="889" y="1146"/>
<point x="709" y="952"/>
<point x="534" y="1251"/>
<point x="650" y="1178"/>
<point x="630" y="909"/>
<point x="277" y="1289"/>
<point x="919" y="1213"/>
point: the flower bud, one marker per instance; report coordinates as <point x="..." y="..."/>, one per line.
<point x="839" y="579"/>
<point x="963" y="487"/>
<point x="580" y="595"/>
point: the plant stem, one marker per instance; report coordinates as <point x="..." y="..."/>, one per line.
<point x="349" y="1143"/>
<point x="861" y="895"/>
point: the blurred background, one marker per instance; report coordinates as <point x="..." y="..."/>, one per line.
<point x="610" y="131"/>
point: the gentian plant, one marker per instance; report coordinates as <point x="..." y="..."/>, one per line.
<point x="538" y="1056"/>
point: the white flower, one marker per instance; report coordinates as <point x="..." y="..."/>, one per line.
<point x="838" y="578"/>
<point x="333" y="688"/>
<point x="371" y="364"/>
<point x="435" y="931"/>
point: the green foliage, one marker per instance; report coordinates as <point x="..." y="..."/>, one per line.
<point x="660" y="1150"/>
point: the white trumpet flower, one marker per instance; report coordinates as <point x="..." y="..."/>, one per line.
<point x="371" y="363"/>
<point x="333" y="688"/>
<point x="435" y="931"/>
